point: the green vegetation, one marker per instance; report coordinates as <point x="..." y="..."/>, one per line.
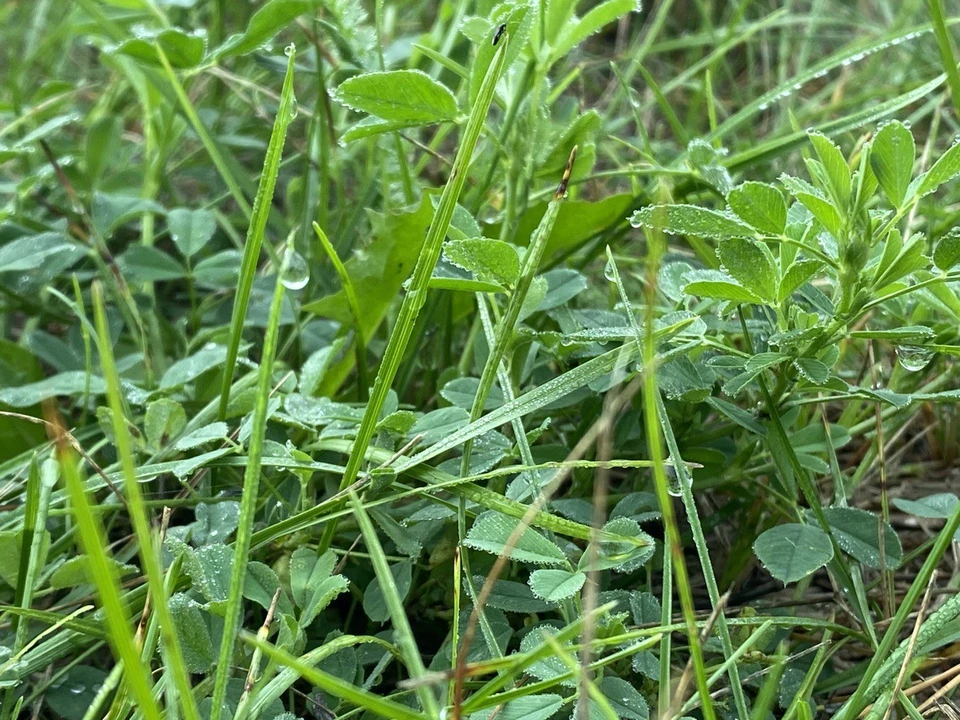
<point x="474" y="360"/>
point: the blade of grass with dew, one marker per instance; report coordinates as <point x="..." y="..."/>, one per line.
<point x="685" y="482"/>
<point x="947" y="55"/>
<point x="508" y="323"/>
<point x="402" y="631"/>
<point x="251" y="487"/>
<point x="352" y="303"/>
<point x="138" y="514"/>
<point x="258" y="223"/>
<point x="104" y="578"/>
<point x="417" y="294"/>
<point x="335" y="686"/>
<point x="651" y="392"/>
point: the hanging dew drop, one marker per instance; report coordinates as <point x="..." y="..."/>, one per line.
<point x="673" y="482"/>
<point x="610" y="270"/>
<point x="290" y="50"/>
<point x="294" y="108"/>
<point x="914" y="358"/>
<point x="294" y="270"/>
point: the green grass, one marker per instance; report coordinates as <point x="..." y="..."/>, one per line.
<point x="478" y="359"/>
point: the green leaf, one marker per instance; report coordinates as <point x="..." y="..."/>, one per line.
<point x="947" y="252"/>
<point x="438" y="424"/>
<point x="191" y="230"/>
<point x="791" y="552"/>
<point x="715" y="284"/>
<point x="209" y="567"/>
<point x="71" y="695"/>
<point x="266" y="22"/>
<point x="519" y="18"/>
<point x="577" y="222"/>
<point x="515" y="597"/>
<point x="691" y="220"/>
<point x="165" y="419"/>
<point x="577" y="30"/>
<point x="381" y="268"/>
<point x="799" y="272"/>
<point x="528" y="707"/>
<point x="556" y="585"/>
<point x="626" y="701"/>
<point x="212" y="432"/>
<point x="945" y="168"/>
<point x="760" y="205"/>
<point x="32" y="251"/>
<point x="193" y="633"/>
<point x="144" y="263"/>
<point x="812" y="370"/>
<point x="909" y="260"/>
<point x="937" y="506"/>
<point x="824" y="211"/>
<point x="834" y="165"/>
<point x="372" y="125"/>
<point x="750" y="266"/>
<point x="491" y="531"/>
<point x="461" y="392"/>
<point x="550" y="666"/>
<point x="190" y="368"/>
<point x="76" y="571"/>
<point x="489" y="260"/>
<point x="214" y="522"/>
<point x="630" y="551"/>
<point x="183" y="50"/>
<point x="69" y="383"/>
<point x="112" y="210"/>
<point x="738" y="415"/>
<point x="857" y="532"/>
<point x="260" y="585"/>
<point x="892" y="156"/>
<point x="311" y="583"/>
<point x="408" y="96"/>
<point x="374" y="603"/>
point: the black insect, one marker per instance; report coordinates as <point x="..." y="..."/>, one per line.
<point x="499" y="34"/>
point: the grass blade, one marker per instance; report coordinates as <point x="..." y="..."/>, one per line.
<point x="258" y="223"/>
<point x="138" y="513"/>
<point x="398" y="616"/>
<point x="251" y="488"/>
<point x="417" y="294"/>
<point x="103" y="575"/>
<point x="947" y="55"/>
<point x="511" y="315"/>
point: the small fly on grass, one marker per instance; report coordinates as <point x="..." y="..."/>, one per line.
<point x="499" y="34"/>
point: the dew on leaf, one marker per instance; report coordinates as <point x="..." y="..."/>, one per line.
<point x="914" y="357"/>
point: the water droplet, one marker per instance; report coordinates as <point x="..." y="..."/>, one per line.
<point x="673" y="482"/>
<point x="294" y="109"/>
<point x="290" y="50"/>
<point x="294" y="271"/>
<point x="914" y="357"/>
<point x="610" y="270"/>
<point x="78" y="689"/>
